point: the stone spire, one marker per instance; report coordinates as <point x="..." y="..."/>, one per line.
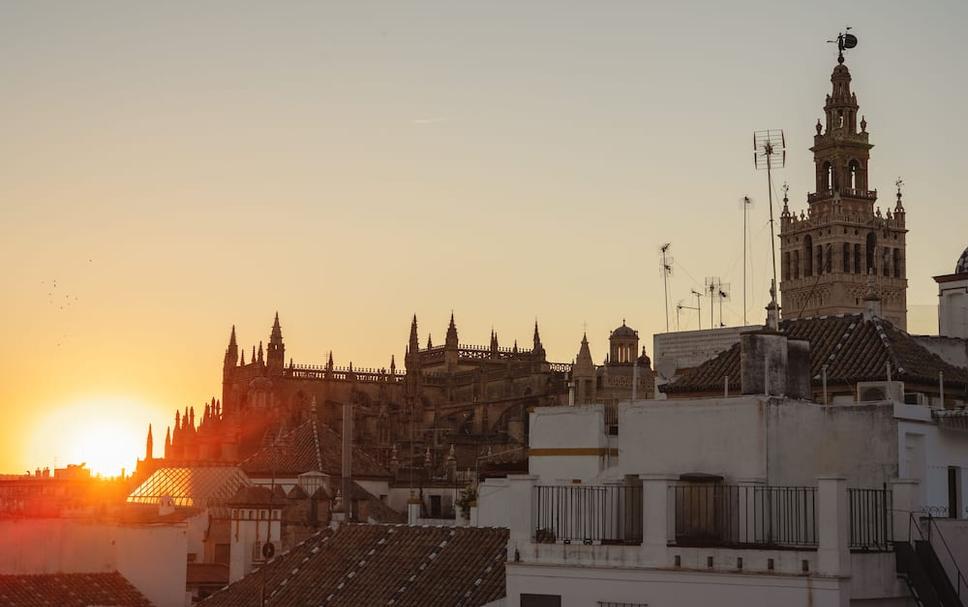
<point x="149" y="446"/>
<point x="276" y="357"/>
<point x="450" y="341"/>
<point x="167" y="442"/>
<point x="494" y="344"/>
<point x="584" y="359"/>
<point x="538" y="351"/>
<point x="232" y="351"/>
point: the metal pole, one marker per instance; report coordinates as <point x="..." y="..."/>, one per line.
<point x="746" y="206"/>
<point x="769" y="182"/>
<point x="665" y="284"/>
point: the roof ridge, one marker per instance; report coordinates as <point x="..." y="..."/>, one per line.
<point x="319" y="455"/>
<point x="844" y="338"/>
<point x="882" y="334"/>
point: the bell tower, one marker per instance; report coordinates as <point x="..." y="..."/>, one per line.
<point x="828" y="252"/>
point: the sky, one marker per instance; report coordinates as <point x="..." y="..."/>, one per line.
<point x="170" y="169"/>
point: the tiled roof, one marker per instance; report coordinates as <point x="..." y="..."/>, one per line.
<point x="381" y="565"/>
<point x="197" y="486"/>
<point x="69" y="590"/>
<point x="310" y="446"/>
<point x="854" y="350"/>
<point x="377" y="511"/>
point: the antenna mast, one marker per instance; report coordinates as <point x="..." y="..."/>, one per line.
<point x="747" y="203"/>
<point x="769" y="152"/>
<point x="698" y="307"/>
<point x="666" y="272"/>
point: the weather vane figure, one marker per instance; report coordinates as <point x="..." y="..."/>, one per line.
<point x="845" y="40"/>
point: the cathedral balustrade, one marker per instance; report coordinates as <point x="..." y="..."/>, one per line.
<point x="560" y="367"/>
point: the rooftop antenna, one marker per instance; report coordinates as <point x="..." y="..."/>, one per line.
<point x="666" y="273"/>
<point x="679" y="308"/>
<point x="769" y="152"/>
<point x="747" y="203"/>
<point x="698" y="307"/>
<point x="722" y="295"/>
<point x="712" y="287"/>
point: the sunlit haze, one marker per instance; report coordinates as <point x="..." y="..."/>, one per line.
<point x="171" y="169"/>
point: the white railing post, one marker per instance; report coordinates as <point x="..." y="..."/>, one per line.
<point x="833" y="526"/>
<point x="656" y="519"/>
<point x="904" y="503"/>
<point x="520" y="512"/>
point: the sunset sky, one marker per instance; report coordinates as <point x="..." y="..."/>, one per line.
<point x="168" y="169"/>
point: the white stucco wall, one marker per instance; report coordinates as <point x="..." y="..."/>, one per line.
<point x="151" y="557"/>
<point x="926" y="451"/>
<point x="582" y="587"/>
<point x="493" y="503"/>
<point x="715" y="436"/>
<point x="568" y="443"/>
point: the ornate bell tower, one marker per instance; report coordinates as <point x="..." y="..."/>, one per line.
<point x="828" y="252"/>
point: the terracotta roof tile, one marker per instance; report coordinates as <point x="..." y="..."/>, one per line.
<point x="381" y="565"/>
<point x="853" y="349"/>
<point x="69" y="590"/>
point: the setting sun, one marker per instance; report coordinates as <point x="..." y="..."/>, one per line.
<point x="106" y="433"/>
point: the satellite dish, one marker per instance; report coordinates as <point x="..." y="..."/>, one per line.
<point x="850" y="41"/>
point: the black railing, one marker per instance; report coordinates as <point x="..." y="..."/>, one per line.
<point x="712" y="514"/>
<point x="871" y="521"/>
<point x="588" y="514"/>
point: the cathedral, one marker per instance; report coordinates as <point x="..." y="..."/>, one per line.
<point x="842" y="247"/>
<point x="448" y="398"/>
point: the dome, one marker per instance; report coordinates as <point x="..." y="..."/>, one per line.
<point x="624" y="331"/>
<point x="962" y="267"/>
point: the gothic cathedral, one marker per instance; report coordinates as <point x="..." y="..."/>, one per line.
<point x="842" y="248"/>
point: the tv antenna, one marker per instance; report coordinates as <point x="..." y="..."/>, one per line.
<point x="718" y="291"/>
<point x="667" y="262"/>
<point x="747" y="203"/>
<point x="679" y="308"/>
<point x="698" y="308"/>
<point x="845" y="41"/>
<point x="769" y="152"/>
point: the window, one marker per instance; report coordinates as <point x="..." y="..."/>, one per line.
<point x="786" y="266"/>
<point x="819" y="260"/>
<point x="897" y="263"/>
<point x="808" y="256"/>
<point x="827" y="176"/>
<point x="856" y="259"/>
<point x="853" y="174"/>
<point x="871" y="252"/>
<point x="796" y="264"/>
<point x="846" y="258"/>
<point x="435" y="509"/>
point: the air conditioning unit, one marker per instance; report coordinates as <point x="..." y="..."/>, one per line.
<point x="263" y="551"/>
<point x="915" y="398"/>
<point x="868" y="391"/>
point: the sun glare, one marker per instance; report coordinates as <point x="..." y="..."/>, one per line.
<point x="107" y="434"/>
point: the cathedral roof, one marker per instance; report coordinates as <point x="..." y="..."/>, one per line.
<point x="962" y="266"/>
<point x="852" y="348"/>
<point x="359" y="564"/>
<point x="310" y="446"/>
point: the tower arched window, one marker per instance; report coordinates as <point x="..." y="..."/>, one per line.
<point x="846" y="258"/>
<point x="808" y="256"/>
<point x="871" y="252"/>
<point x="820" y="267"/>
<point x="853" y="174"/>
<point x="786" y="266"/>
<point x="827" y="175"/>
<point x="796" y="264"/>
<point x="897" y="263"/>
<point x="856" y="258"/>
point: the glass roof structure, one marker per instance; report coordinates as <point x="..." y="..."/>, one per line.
<point x="190" y="486"/>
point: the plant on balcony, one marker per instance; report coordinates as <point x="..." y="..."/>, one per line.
<point x="468" y="499"/>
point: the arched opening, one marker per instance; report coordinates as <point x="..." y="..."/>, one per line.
<point x="871" y="252"/>
<point x="846" y="258"/>
<point x="786" y="266"/>
<point x="820" y="267"/>
<point x="808" y="257"/>
<point x="856" y="258"/>
<point x="827" y="174"/>
<point x="796" y="264"/>
<point x="853" y="174"/>
<point x="897" y="263"/>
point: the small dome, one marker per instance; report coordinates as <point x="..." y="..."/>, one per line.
<point x="962" y="266"/>
<point x="624" y="331"/>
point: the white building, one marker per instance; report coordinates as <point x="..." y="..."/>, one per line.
<point x="754" y="499"/>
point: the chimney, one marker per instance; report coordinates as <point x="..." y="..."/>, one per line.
<point x="763" y="363"/>
<point x="872" y="301"/>
<point x="798" y="369"/>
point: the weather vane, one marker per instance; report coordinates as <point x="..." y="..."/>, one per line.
<point x="845" y="40"/>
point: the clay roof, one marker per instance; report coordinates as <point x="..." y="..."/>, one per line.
<point x="69" y="590"/>
<point x="381" y="565"/>
<point x="854" y="350"/>
<point x="310" y="446"/>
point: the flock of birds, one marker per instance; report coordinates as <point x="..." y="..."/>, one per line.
<point x="54" y="299"/>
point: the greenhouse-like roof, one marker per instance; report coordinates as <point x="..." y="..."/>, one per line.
<point x="190" y="486"/>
